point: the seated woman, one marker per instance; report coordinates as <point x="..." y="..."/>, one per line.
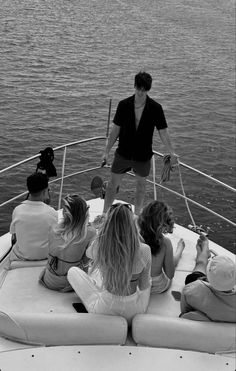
<point x="68" y="242"/>
<point x="119" y="281"/>
<point x="154" y="221"/>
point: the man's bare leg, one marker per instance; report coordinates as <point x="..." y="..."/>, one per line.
<point x="179" y="251"/>
<point x="203" y="254"/>
<point x="139" y="194"/>
<point x="111" y="189"/>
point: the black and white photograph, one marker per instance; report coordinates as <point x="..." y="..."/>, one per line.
<point x="117" y="185"/>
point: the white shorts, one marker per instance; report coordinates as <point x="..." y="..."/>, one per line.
<point x="99" y="300"/>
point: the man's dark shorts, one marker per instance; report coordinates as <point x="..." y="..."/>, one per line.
<point x="121" y="165"/>
<point x="194" y="276"/>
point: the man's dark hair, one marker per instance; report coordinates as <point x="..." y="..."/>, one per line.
<point x="37" y="182"/>
<point x="143" y="81"/>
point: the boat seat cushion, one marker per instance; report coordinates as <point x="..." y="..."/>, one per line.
<point x="33" y="314"/>
<point x="63" y="329"/>
<point x="180" y="333"/>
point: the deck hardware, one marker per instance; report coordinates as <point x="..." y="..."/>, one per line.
<point x="199" y="229"/>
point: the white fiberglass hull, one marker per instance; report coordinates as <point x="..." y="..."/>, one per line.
<point x="112" y="358"/>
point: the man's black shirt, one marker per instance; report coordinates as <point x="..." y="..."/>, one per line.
<point x="137" y="144"/>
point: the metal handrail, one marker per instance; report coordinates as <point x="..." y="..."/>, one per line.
<point x="104" y="138"/>
<point x="188" y="199"/>
<point x="55" y="149"/>
<point x="194" y="202"/>
<point x="51" y="181"/>
<point x="65" y="146"/>
<point x="201" y="173"/>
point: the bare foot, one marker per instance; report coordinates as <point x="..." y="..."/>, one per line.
<point x="202" y="248"/>
<point x="181" y="245"/>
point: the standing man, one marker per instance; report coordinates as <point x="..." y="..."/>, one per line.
<point x="134" y="123"/>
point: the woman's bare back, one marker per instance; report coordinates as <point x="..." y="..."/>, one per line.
<point x="158" y="260"/>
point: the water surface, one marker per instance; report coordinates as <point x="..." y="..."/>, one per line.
<point x="61" y="61"/>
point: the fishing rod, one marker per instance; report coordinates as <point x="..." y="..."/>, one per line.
<point x="108" y="126"/>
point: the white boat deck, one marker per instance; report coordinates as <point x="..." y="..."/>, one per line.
<point x="21" y="293"/>
<point x="107" y="358"/>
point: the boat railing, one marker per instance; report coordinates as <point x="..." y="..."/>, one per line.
<point x="62" y="177"/>
<point x="155" y="184"/>
<point x="201" y="173"/>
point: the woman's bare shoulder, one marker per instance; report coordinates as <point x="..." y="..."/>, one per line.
<point x="167" y="242"/>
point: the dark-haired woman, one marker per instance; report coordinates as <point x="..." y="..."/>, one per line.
<point x="154" y="222"/>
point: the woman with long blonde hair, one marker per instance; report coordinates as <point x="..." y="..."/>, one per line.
<point x="119" y="280"/>
<point x="68" y="242"/>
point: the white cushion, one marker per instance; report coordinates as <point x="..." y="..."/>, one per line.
<point x="63" y="328"/>
<point x="179" y="333"/>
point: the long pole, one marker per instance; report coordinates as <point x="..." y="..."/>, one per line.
<point x="108" y="119"/>
<point x="62" y="178"/>
<point x="108" y="126"/>
<point x="154" y="177"/>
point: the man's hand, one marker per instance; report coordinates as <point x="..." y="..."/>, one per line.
<point x="174" y="159"/>
<point x="104" y="159"/>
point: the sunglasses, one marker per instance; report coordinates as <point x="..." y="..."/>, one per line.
<point x="70" y="197"/>
<point x="114" y="206"/>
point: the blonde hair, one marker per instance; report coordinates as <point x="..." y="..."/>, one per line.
<point x="118" y="243"/>
<point x="74" y="219"/>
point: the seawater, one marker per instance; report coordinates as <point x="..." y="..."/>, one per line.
<point x="61" y="61"/>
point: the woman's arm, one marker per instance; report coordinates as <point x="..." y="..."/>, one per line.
<point x="145" y="276"/>
<point x="168" y="263"/>
<point x="92" y="250"/>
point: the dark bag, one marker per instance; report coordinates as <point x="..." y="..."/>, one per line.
<point x="46" y="162"/>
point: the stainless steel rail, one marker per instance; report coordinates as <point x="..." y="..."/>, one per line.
<point x="55" y="149"/>
<point x="66" y="146"/>
<point x="201" y="173"/>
